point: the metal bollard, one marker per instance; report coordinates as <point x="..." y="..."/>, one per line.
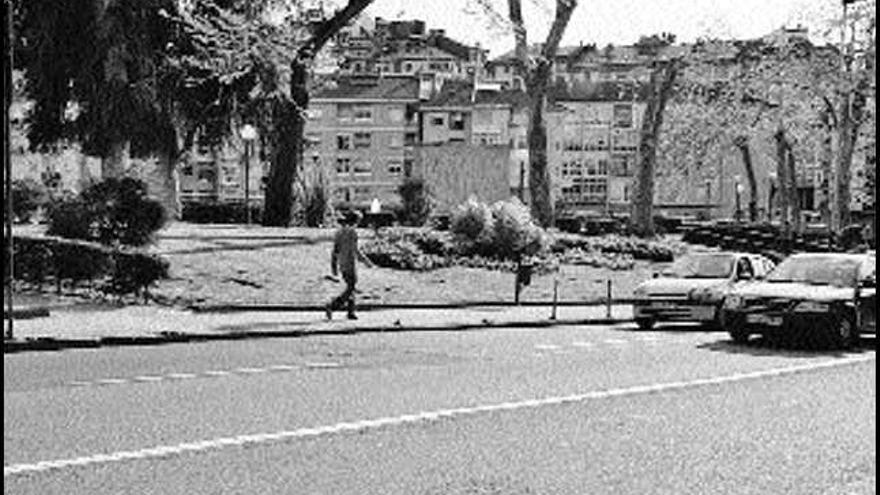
<point x="608" y="299"/>
<point x="555" y="297"/>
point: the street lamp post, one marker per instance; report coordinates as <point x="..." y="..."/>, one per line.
<point x="771" y="192"/>
<point x="738" y="189"/>
<point x="248" y="135"/>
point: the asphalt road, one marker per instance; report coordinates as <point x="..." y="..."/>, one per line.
<point x="560" y="410"/>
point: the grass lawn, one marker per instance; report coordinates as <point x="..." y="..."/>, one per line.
<point x="220" y="264"/>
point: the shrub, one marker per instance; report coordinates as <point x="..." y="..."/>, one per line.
<point x="40" y="259"/>
<point x="515" y="232"/>
<point x="28" y="196"/>
<point x="219" y="213"/>
<point x="474" y="226"/>
<point x="135" y="272"/>
<point x="109" y="212"/>
<point x="415" y="202"/>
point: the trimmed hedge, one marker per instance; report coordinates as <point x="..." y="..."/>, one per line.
<point x="225" y="213"/>
<point x="41" y="260"/>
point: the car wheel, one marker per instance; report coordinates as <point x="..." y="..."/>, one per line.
<point x="843" y="333"/>
<point x="645" y="323"/>
<point x="736" y="327"/>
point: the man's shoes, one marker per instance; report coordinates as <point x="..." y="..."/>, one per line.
<point x="328" y="312"/>
<point x="352" y="316"/>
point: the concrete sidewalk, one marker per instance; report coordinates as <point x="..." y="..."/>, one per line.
<point x="145" y="325"/>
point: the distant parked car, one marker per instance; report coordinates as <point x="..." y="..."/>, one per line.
<point x="693" y="287"/>
<point x="826" y="298"/>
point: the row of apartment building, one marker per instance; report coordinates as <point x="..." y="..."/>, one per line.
<point x="405" y="100"/>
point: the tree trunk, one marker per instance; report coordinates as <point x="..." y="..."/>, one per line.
<point x="847" y="133"/>
<point x="117" y="160"/>
<point x="286" y="149"/>
<point x="661" y="84"/>
<point x="539" y="180"/>
<point x="782" y="171"/>
<point x="794" y="199"/>
<point x="168" y="193"/>
<point x="825" y="185"/>
<point x="742" y="143"/>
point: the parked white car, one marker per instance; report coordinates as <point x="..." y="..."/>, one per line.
<point x="694" y="286"/>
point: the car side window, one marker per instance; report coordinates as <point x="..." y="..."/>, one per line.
<point x="744" y="268"/>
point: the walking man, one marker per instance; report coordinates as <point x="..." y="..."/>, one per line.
<point x="344" y="260"/>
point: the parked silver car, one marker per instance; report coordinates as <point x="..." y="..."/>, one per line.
<point x="694" y="286"/>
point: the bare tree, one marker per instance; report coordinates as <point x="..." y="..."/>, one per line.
<point x="536" y="74"/>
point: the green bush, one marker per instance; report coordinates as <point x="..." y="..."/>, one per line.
<point x="474" y="226"/>
<point x="39" y="260"/>
<point x="415" y="202"/>
<point x="515" y="232"/>
<point x="28" y="196"/>
<point x="225" y="213"/>
<point x="135" y="272"/>
<point x="109" y="212"/>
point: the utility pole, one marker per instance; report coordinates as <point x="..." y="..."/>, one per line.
<point x="7" y="168"/>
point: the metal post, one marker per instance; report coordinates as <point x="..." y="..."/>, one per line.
<point x="247" y="181"/>
<point x="608" y="299"/>
<point x="7" y="167"/>
<point x="555" y="296"/>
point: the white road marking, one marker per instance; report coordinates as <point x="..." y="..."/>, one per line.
<point x="181" y="376"/>
<point x="283" y="367"/>
<point x="615" y="342"/>
<point x="216" y="373"/>
<point x="546" y="347"/>
<point x="184" y="376"/>
<point x="260" y="438"/>
<point x="322" y="365"/>
<point x="111" y="381"/>
<point x="148" y="378"/>
<point x="250" y="370"/>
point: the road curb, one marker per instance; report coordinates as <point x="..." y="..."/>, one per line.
<point x="51" y="344"/>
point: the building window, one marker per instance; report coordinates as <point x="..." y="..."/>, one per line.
<point x="603" y="167"/>
<point x="623" y="116"/>
<point x="362" y="193"/>
<point x="343" y="142"/>
<point x="363" y="168"/>
<point x="362" y="139"/>
<point x="395" y="167"/>
<point x="407" y="67"/>
<point x="409" y="139"/>
<point x="363" y="113"/>
<point x="314" y="113"/>
<point x="620" y="165"/>
<point x="456" y="121"/>
<point x="343" y="166"/>
<point x="395" y="115"/>
<point x="345" y="111"/>
<point x="312" y="139"/>
<point x="437" y="121"/>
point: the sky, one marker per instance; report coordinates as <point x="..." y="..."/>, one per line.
<point x="617" y="22"/>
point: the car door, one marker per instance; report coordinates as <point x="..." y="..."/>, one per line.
<point x="868" y="296"/>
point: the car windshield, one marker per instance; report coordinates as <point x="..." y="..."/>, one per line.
<point x="817" y="270"/>
<point x="702" y="266"/>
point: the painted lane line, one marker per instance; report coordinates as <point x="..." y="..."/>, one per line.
<point x="111" y="381"/>
<point x="148" y="378"/>
<point x="250" y="371"/>
<point x="546" y="347"/>
<point x="615" y="342"/>
<point x="323" y="365"/>
<point x="81" y="384"/>
<point x="283" y="367"/>
<point x="180" y="376"/>
<point x="583" y="345"/>
<point x="422" y="417"/>
<point x="216" y="373"/>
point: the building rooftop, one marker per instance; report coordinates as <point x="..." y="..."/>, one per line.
<point x="369" y="87"/>
<point x="461" y="93"/>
